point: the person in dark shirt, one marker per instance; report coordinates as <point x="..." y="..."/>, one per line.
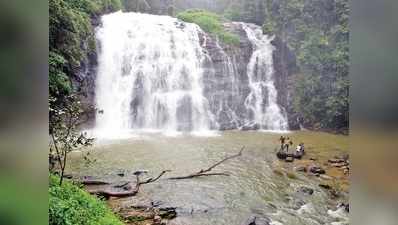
<point x="288" y="143"/>
<point x="282" y="140"/>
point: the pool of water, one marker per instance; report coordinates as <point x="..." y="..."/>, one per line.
<point x="251" y="189"/>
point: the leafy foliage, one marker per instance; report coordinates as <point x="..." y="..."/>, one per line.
<point x="317" y="31"/>
<point x="64" y="118"/>
<point x="58" y="81"/>
<point x="210" y="23"/>
<point x="71" y="42"/>
<point x="72" y="37"/>
<point x="70" y="205"/>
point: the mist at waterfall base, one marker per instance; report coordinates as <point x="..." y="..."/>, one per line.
<point x="151" y="79"/>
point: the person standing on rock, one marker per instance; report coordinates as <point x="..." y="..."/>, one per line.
<point x="282" y="140"/>
<point x="288" y="142"/>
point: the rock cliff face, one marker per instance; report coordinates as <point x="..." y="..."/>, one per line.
<point x="226" y="72"/>
<point x="285" y="66"/>
<point x="225" y="77"/>
<point x="226" y="83"/>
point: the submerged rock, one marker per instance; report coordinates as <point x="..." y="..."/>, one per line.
<point x="298" y="155"/>
<point x="157" y="220"/>
<point x="306" y="190"/>
<point x="281" y="155"/>
<point x="254" y="220"/>
<point x="336" y="160"/>
<point x="168" y="213"/>
<point x="289" y="159"/>
<point x="346" y="206"/>
<point x="300" y="169"/>
<point x="316" y="169"/>
<point x="325" y="177"/>
<point x="325" y="186"/>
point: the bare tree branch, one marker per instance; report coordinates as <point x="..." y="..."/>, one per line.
<point x="150" y="180"/>
<point x="56" y="150"/>
<point x="206" y="171"/>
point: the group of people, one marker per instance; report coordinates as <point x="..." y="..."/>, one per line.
<point x="286" y="142"/>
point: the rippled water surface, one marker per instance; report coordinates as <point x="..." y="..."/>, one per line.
<point x="251" y="189"/>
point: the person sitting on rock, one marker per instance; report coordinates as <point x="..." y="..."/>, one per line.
<point x="302" y="147"/>
<point x="298" y="149"/>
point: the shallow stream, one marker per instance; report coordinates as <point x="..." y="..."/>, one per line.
<point x="252" y="188"/>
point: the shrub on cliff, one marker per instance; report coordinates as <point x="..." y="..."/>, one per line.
<point x="210" y="23"/>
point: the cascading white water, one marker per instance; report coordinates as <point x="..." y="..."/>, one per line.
<point x="158" y="73"/>
<point x="150" y="75"/>
<point x="262" y="100"/>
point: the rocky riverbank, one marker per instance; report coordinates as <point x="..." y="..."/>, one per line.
<point x="330" y="169"/>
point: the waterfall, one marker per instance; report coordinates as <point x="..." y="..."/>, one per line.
<point x="262" y="99"/>
<point x="150" y="75"/>
<point x="156" y="73"/>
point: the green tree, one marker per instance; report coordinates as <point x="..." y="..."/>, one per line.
<point x="317" y="31"/>
<point x="71" y="41"/>
<point x="64" y="119"/>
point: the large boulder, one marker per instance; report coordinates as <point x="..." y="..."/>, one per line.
<point x="298" y="155"/>
<point x="289" y="159"/>
<point x="281" y="155"/>
<point x="250" y="126"/>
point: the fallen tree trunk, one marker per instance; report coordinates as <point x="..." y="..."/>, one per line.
<point x="129" y="190"/>
<point x="206" y="171"/>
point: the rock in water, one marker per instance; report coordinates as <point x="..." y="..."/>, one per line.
<point x="346" y="206"/>
<point x="250" y="126"/>
<point x="325" y="186"/>
<point x="316" y="170"/>
<point x="157" y="220"/>
<point x="168" y="213"/>
<point x="289" y="159"/>
<point x="305" y="190"/>
<point x="325" y="177"/>
<point x="335" y="160"/>
<point x="254" y="220"/>
<point x="300" y="169"/>
<point x="281" y="155"/>
<point x="298" y="155"/>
